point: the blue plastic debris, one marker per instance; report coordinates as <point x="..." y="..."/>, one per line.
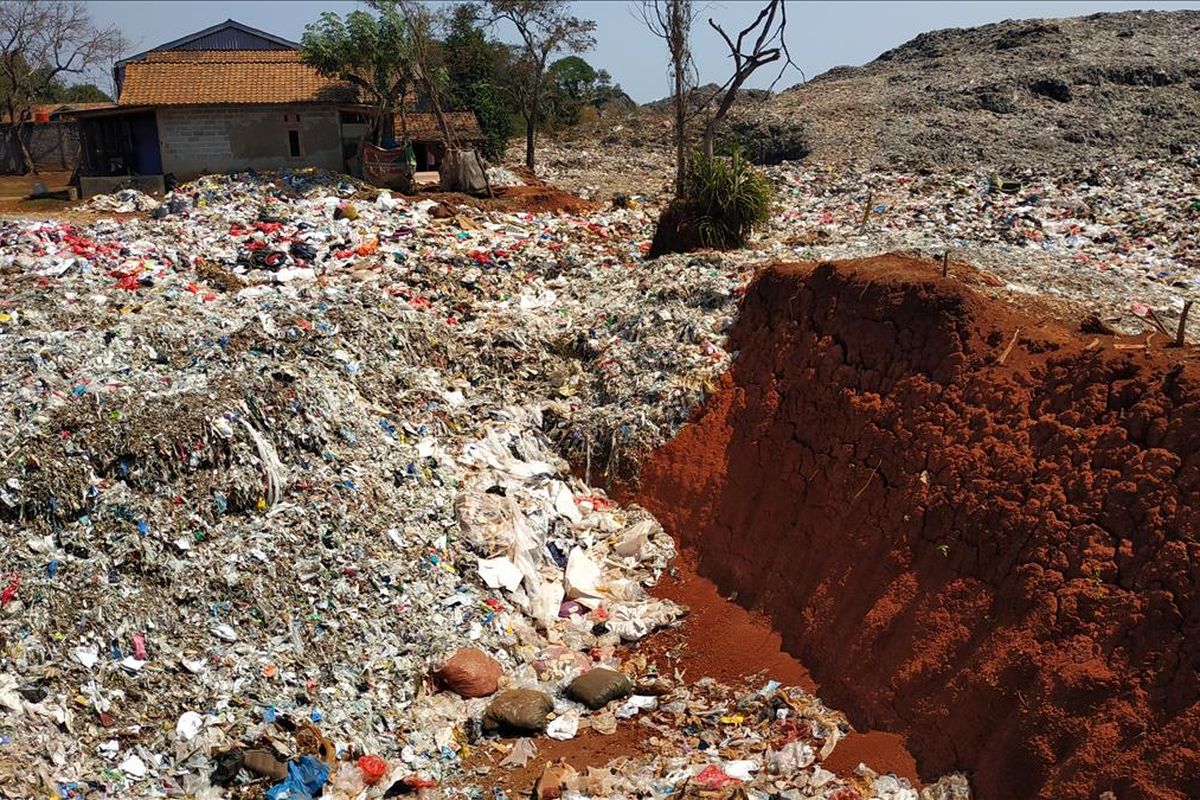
<point x="305" y="779"/>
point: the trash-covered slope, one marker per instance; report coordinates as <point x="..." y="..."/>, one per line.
<point x="273" y="454"/>
<point x="1030" y="93"/>
<point x="974" y="527"/>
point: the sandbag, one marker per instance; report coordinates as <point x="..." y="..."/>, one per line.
<point x="470" y="673"/>
<point x="463" y="171"/>
<point x="598" y="687"/>
<point x="518" y="709"/>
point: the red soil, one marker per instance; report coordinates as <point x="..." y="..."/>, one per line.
<point x="998" y="561"/>
<point x="588" y="749"/>
<point x="718" y="638"/>
<point x="882" y="752"/>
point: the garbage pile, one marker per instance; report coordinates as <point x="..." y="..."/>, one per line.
<point x="633" y="157"/>
<point x="714" y="740"/>
<point x="1104" y="239"/>
<point x="284" y="490"/>
<point x="1111" y="240"/>
<point x="274" y="453"/>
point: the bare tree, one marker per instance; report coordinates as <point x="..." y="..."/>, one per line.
<point x="545" y="27"/>
<point x="41" y="42"/>
<point x="421" y="25"/>
<point x="671" y="21"/>
<point x="758" y="44"/>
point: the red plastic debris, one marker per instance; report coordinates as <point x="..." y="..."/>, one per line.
<point x="713" y="777"/>
<point x="414" y="782"/>
<point x="10" y="591"/>
<point x="373" y="768"/>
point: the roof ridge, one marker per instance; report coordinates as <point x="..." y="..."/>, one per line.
<point x="191" y="37"/>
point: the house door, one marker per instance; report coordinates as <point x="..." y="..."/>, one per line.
<point x="147" y="158"/>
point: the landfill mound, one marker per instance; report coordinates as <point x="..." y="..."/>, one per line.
<point x="975" y="527"/>
<point x="1032" y="93"/>
<point x="285" y="512"/>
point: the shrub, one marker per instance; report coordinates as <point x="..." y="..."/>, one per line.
<point x="764" y="142"/>
<point x="728" y="199"/>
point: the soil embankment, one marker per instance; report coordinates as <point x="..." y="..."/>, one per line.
<point x="981" y="538"/>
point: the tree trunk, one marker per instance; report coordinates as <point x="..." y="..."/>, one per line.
<point x="532" y="120"/>
<point x="529" y="144"/>
<point x="710" y="134"/>
<point x="447" y="136"/>
<point x="21" y="129"/>
<point x="680" y="133"/>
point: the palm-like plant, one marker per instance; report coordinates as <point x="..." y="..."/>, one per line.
<point x="729" y="198"/>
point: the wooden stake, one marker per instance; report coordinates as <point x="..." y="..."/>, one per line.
<point x="862" y="226"/>
<point x="946" y="264"/>
<point x="1012" y="342"/>
<point x="1181" y="331"/>
<point x="1158" y="323"/>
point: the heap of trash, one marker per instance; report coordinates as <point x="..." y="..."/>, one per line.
<point x="1114" y="240"/>
<point x="284" y="497"/>
<point x="299" y="479"/>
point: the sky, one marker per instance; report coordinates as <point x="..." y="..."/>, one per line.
<point x="820" y="34"/>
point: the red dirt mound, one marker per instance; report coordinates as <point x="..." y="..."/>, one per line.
<point x="990" y="551"/>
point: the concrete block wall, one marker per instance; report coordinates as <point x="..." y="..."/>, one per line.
<point x="195" y="140"/>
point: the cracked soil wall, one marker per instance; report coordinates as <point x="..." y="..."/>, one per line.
<point x="997" y="560"/>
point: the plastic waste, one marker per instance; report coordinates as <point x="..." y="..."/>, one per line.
<point x="522" y="751"/>
<point x="304" y="780"/>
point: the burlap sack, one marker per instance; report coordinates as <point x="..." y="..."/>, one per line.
<point x="518" y="710"/>
<point x="596" y="688"/>
<point x="470" y="673"/>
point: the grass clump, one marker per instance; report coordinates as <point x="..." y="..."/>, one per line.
<point x="728" y="198"/>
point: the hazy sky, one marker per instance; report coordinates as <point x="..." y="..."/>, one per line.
<point x="820" y="34"/>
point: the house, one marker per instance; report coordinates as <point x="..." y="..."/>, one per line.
<point x="425" y="134"/>
<point x="227" y="98"/>
<point x="51" y="136"/>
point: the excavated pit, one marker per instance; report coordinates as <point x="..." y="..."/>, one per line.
<point x="993" y="554"/>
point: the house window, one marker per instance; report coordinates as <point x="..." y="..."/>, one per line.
<point x="294" y="143"/>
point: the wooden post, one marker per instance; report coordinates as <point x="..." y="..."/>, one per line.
<point x="946" y="263"/>
<point x="1181" y="331"/>
<point x="862" y="226"/>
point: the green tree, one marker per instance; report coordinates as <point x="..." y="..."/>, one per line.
<point x="41" y="43"/>
<point x="372" y="52"/>
<point x="474" y="64"/>
<point x="574" y="84"/>
<point x="56" y="92"/>
<point x="544" y="28"/>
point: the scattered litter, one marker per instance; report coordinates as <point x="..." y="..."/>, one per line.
<point x="292" y="441"/>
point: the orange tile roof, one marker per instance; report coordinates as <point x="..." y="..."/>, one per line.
<point x="423" y="126"/>
<point x="189" y="56"/>
<point x="219" y="77"/>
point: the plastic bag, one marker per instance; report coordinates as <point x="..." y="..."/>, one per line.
<point x="305" y="778"/>
<point x="518" y="709"/>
